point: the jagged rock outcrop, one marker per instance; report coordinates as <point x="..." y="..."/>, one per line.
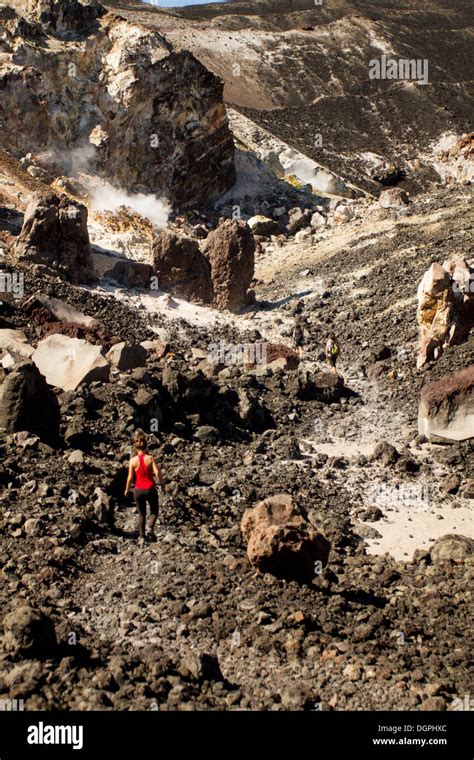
<point x="445" y="311"/>
<point x="280" y="541"/>
<point x="64" y="17"/>
<point x="116" y="100"/>
<point x="230" y="250"/>
<point x="181" y="267"/>
<point x="27" y="403"/>
<point x="387" y="173"/>
<point x="447" y="407"/>
<point x="55" y="234"/>
<point x="458" y="161"/>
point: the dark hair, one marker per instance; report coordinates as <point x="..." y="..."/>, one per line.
<point x="139" y="441"/>
<point x="331" y="335"/>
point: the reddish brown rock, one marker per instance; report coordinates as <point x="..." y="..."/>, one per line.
<point x="181" y="267"/>
<point x="55" y="234"/>
<point x="281" y="354"/>
<point x="281" y="542"/>
<point x="447" y="407"/>
<point x="230" y="250"/>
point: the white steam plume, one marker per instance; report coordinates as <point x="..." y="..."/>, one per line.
<point x="105" y="197"/>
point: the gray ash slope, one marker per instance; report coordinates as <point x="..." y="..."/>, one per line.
<point x="303" y="72"/>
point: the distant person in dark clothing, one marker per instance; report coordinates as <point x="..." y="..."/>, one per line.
<point x="332" y="351"/>
<point x="299" y="334"/>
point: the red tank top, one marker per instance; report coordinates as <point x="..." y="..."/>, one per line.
<point x="143" y="477"/>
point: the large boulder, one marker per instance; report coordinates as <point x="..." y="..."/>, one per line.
<point x="131" y="274"/>
<point x="55" y="234"/>
<point x="281" y="542"/>
<point x="181" y="267"/>
<point x="231" y="249"/>
<point x="28" y="632"/>
<point x="445" y="311"/>
<point x="263" y="225"/>
<point x="446" y="410"/>
<point x="452" y="548"/>
<point x="125" y="356"/>
<point x="67" y="362"/>
<point x="322" y="385"/>
<point x="16" y="342"/>
<point x="28" y="403"/>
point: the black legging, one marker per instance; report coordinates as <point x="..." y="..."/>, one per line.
<point x="142" y="496"/>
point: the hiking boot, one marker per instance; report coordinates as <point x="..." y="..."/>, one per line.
<point x="141" y="543"/>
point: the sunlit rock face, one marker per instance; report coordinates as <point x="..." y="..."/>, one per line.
<point x="90" y="91"/>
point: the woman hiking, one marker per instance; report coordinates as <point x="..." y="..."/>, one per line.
<point x="144" y="467"/>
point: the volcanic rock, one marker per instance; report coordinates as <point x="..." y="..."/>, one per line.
<point x="385" y="453"/>
<point x="201" y="667"/>
<point x="103" y="509"/>
<point x="343" y="214"/>
<point x="28" y="632"/>
<point x="131" y="274"/>
<point x="452" y="548"/>
<point x="281" y="542"/>
<point x="16" y="342"/>
<point x="318" y="220"/>
<point x="394" y="197"/>
<point x="297" y="219"/>
<point x="445" y="311"/>
<point x="157" y="348"/>
<point x="60" y="310"/>
<point x="446" y="410"/>
<point x="55" y="234"/>
<point x="181" y="267"/>
<point x="387" y="173"/>
<point x="124" y="356"/>
<point x="65" y="17"/>
<point x="27" y="403"/>
<point x="321" y="385"/>
<point x="67" y="362"/>
<point x="262" y="225"/>
<point x="230" y="250"/>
